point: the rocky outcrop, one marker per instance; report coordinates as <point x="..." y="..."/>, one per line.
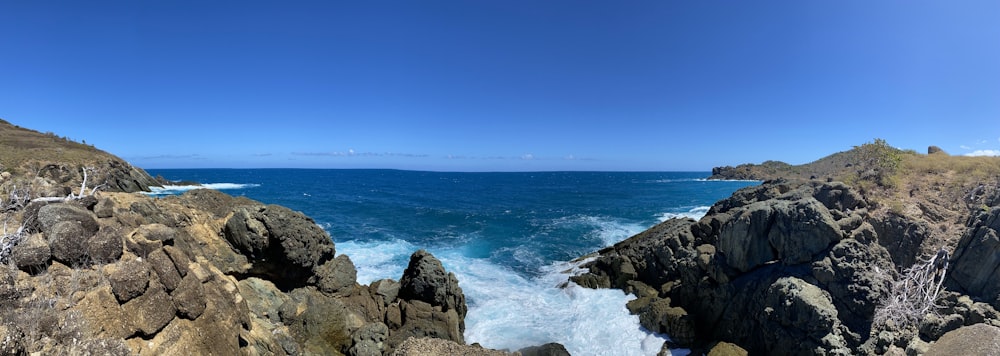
<point x="206" y="273"/>
<point x="431" y="304"/>
<point x="976" y="261"/>
<point x="781" y="268"/>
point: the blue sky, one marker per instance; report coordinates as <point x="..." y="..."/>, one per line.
<point x="502" y="85"/>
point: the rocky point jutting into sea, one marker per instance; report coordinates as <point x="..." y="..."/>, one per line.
<point x="805" y="263"/>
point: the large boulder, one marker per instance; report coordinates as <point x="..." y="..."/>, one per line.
<point x="51" y="214"/>
<point x="431" y="303"/>
<point x="975" y="265"/>
<point x="978" y="339"/>
<point x="282" y="245"/>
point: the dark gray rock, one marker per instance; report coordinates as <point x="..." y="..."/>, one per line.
<point x="426" y="280"/>
<point x="431" y="304"/>
<point x="337" y="275"/>
<point x="52" y="214"/>
<point x="129" y="279"/>
<point x="33" y="253"/>
<point x="68" y="241"/>
<point x="976" y="259"/>
<point x="369" y="340"/>
<point x="106" y="246"/>
<point x="283" y="245"/>
<point x="550" y="349"/>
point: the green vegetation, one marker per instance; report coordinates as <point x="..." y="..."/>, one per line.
<point x="877" y="162"/>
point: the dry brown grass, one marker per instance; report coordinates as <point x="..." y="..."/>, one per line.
<point x="21" y="149"/>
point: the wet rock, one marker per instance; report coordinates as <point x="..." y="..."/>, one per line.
<point x="550" y="349"/>
<point x="426" y="280"/>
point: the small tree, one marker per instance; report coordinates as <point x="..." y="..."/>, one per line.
<point x="877" y="161"/>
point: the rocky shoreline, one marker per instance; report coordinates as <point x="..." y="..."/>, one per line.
<point x="797" y="267"/>
<point x="792" y="266"/>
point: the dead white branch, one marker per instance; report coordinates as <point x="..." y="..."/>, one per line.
<point x="915" y="294"/>
<point x="9" y="240"/>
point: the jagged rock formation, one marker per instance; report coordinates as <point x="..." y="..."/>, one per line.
<point x="789" y="268"/>
<point x="206" y="273"/>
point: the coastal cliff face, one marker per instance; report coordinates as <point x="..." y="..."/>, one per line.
<point x="801" y="267"/>
<point x="112" y="272"/>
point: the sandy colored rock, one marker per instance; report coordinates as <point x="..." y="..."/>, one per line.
<point x="978" y="339"/>
<point x="437" y="347"/>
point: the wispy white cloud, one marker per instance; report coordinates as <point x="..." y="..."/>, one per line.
<point x="964" y="147"/>
<point x="353" y="153"/>
<point x="983" y="153"/>
<point x="527" y="156"/>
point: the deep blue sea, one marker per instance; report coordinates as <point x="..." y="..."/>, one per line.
<point x="508" y="237"/>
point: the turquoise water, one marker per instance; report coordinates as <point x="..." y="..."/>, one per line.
<point x="507" y="236"/>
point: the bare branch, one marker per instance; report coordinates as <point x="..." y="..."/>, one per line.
<point x="915" y="294"/>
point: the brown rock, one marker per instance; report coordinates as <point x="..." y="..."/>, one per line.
<point x="727" y="349"/>
<point x="128" y="279"/>
<point x="165" y="269"/>
<point x="189" y="297"/>
<point x="151" y="311"/>
<point x="33" y="253"/>
<point x="978" y="339"/>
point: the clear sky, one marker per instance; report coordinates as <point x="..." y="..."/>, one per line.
<point x="501" y="85"/>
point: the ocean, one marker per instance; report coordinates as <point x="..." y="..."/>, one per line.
<point x="508" y="237"/>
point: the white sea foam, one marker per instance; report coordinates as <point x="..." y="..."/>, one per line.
<point x="510" y="311"/>
<point x="178" y="189"/>
<point x="609" y="231"/>
<point x="695" y="213"/>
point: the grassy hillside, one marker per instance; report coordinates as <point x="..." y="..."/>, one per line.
<point x="27" y="155"/>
